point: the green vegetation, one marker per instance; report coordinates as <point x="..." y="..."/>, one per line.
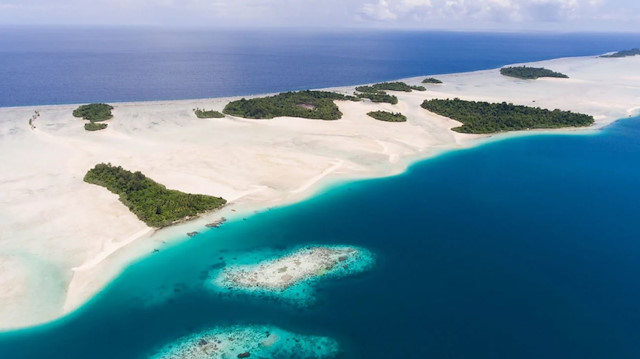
<point x="484" y="117"/>
<point x="388" y="116"/>
<point x="306" y="104"/>
<point x="378" y="97"/>
<point x="376" y="93"/>
<point x="624" y="53"/>
<point x="93" y="126"/>
<point x="202" y="113"/>
<point x="94" y="112"/>
<point x="389" y="86"/>
<point x="431" y="80"/>
<point x="152" y="202"/>
<point x="530" y="73"/>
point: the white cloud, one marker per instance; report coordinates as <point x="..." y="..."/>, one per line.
<point x="431" y="14"/>
<point x="379" y="11"/>
<point x="410" y="4"/>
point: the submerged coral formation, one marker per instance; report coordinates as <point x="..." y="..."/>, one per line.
<point x="290" y="276"/>
<point x="249" y="342"/>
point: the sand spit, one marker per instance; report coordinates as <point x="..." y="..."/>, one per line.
<point x="249" y="342"/>
<point x="290" y="276"/>
<point x="51" y="222"/>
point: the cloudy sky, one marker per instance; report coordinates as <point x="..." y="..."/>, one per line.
<point x="500" y="15"/>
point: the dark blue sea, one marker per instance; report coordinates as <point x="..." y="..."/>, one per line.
<point x="40" y="66"/>
<point x="522" y="248"/>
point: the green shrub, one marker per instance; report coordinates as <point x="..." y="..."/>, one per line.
<point x="201" y="113"/>
<point x="152" y="202"/>
<point x="388" y="116"/>
<point x="431" y="80"/>
<point x="530" y="73"/>
<point x="93" y="126"/>
<point x="485" y="117"/>
<point x="379" y="97"/>
<point x="94" y="112"/>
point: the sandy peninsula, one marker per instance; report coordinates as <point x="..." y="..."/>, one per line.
<point x="62" y="240"/>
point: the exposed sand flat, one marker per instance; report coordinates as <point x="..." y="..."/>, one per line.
<point x="52" y="222"/>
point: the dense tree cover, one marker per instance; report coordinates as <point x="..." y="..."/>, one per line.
<point x="93" y="126"/>
<point x="202" y="113"/>
<point x="94" y="112"/>
<point x="530" y="73"/>
<point x="152" y="202"/>
<point x="484" y="117"/>
<point x="624" y="53"/>
<point x="305" y="104"/>
<point x="389" y="86"/>
<point x="378" y="97"/>
<point x="388" y="116"/>
<point x="431" y="80"/>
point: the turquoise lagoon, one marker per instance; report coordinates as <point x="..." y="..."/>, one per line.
<point x="526" y="247"/>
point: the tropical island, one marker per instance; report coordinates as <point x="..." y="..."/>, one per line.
<point x="530" y="73"/>
<point x="152" y="202"/>
<point x="257" y="341"/>
<point x="255" y="165"/>
<point x="484" y="117"/>
<point x="623" y="53"/>
<point x="202" y="113"/>
<point x="379" y="97"/>
<point x="290" y="276"/>
<point x="377" y="92"/>
<point x="389" y="86"/>
<point x="388" y="116"/>
<point x="305" y="104"/>
<point x="431" y="80"/>
<point x="95" y="112"/>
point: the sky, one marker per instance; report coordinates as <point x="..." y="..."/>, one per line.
<point x="455" y="15"/>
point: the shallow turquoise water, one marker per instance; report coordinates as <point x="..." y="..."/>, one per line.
<point x="522" y="248"/>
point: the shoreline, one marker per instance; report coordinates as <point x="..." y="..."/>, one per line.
<point x="394" y="153"/>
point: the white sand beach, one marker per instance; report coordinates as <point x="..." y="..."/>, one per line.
<point x="62" y="240"/>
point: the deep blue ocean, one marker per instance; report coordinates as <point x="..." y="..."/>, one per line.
<point x="522" y="248"/>
<point x="40" y="66"/>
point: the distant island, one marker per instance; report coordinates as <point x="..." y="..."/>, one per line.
<point x="530" y="73"/>
<point x="485" y="117"/>
<point x="202" y="113"/>
<point x="152" y="202"/>
<point x="390" y="86"/>
<point x="431" y="80"/>
<point x="388" y="116"/>
<point x="95" y="112"/>
<point x="624" y="53"/>
<point x="376" y="93"/>
<point x="305" y="104"/>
